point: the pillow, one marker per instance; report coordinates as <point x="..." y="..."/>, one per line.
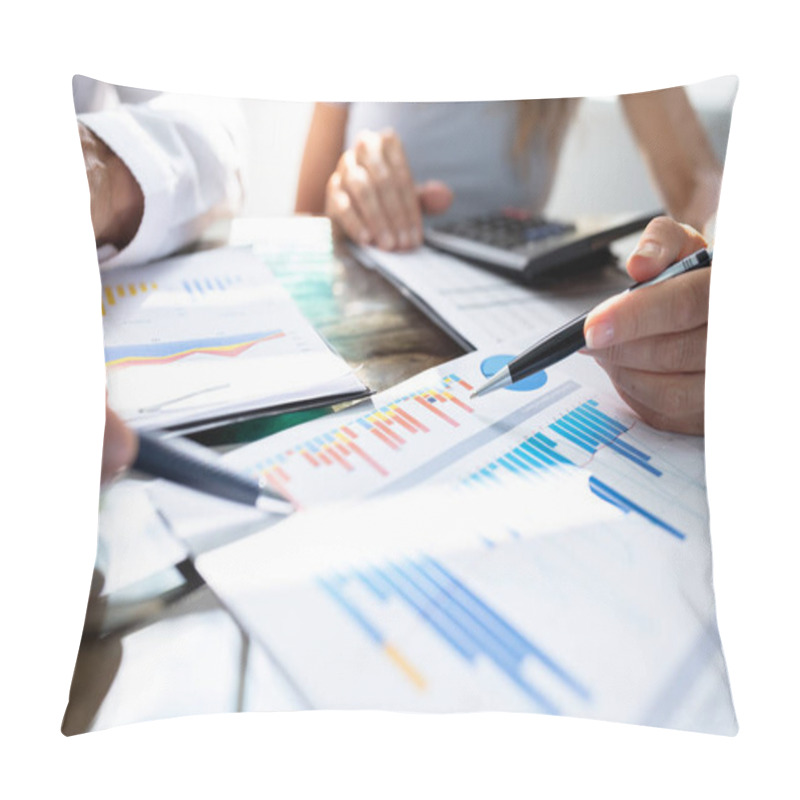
<point x="541" y="549"/>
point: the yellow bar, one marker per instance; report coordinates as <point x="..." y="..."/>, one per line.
<point x="110" y="296"/>
<point x="410" y="671"/>
<point x="143" y="286"/>
<point x="121" y="291"/>
<point x="131" y="289"/>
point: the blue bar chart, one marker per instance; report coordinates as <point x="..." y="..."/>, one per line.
<point x="505" y="553"/>
<point x="571" y="442"/>
<point x="461" y="620"/>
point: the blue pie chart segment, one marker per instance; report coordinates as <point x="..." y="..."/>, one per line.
<point x="495" y="363"/>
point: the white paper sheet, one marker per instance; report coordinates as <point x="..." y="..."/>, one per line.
<point x="210" y="334"/>
<point x="536" y="549"/>
<point x="483" y="308"/>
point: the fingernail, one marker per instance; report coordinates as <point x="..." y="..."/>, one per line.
<point x="649" y="250"/>
<point x="387" y="241"/>
<point x="599" y="335"/>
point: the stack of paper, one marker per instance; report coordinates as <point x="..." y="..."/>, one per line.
<point x="212" y="336"/>
<point x="537" y="549"/>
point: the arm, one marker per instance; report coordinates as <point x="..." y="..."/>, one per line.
<point x="116" y="200"/>
<point x="185" y="159"/>
<point x="324" y="146"/>
<point x="677" y="152"/>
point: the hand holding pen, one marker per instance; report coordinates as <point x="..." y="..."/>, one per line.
<point x="193" y="467"/>
<point x="650" y="341"/>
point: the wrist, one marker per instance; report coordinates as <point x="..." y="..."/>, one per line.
<point x="117" y="202"/>
<point x="126" y="204"/>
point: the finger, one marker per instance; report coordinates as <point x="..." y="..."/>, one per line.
<point x="663" y="242"/>
<point x="668" y="402"/>
<point x="357" y="182"/>
<point x="119" y="447"/>
<point x="693" y="424"/>
<point x="388" y="185"/>
<point x="674" y="352"/>
<point x="340" y="209"/>
<point x="679" y="304"/>
<point x="406" y="191"/>
<point x="434" y="197"/>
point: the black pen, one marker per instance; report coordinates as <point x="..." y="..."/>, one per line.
<point x="569" y="338"/>
<point x="180" y="462"/>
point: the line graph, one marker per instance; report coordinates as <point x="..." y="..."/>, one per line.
<point x="168" y="352"/>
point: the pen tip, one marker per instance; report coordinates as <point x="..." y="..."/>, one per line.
<point x="274" y="505"/>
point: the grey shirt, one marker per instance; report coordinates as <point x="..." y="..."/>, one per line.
<point x="468" y="146"/>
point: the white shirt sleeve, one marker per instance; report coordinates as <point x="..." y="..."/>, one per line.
<point x="186" y="155"/>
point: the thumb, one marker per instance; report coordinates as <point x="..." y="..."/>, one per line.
<point x="434" y="197"/>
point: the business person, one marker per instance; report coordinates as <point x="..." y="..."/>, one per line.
<point x="375" y="169"/>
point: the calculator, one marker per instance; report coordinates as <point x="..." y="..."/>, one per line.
<point x="524" y="245"/>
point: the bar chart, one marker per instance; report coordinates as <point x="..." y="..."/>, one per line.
<point x="460" y="620"/>
<point x="199" y="287"/>
<point x="554" y="429"/>
<point x="116" y="293"/>
<point x="506" y="553"/>
<point x="371" y="446"/>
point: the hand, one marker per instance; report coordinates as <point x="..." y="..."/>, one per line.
<point x="119" y="447"/>
<point x="652" y="342"/>
<point x="372" y="196"/>
<point x="117" y="202"/>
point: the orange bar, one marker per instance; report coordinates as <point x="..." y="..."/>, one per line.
<point x="383" y="438"/>
<point x="461" y="405"/>
<point x="391" y="434"/>
<point x="406" y="416"/>
<point x="400" y="421"/>
<point x="374" y="464"/>
<point x="432" y="408"/>
<point x="340" y="460"/>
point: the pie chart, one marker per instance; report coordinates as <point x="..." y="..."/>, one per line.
<point x="491" y="365"/>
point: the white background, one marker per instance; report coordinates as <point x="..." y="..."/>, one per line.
<point x="52" y="388"/>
